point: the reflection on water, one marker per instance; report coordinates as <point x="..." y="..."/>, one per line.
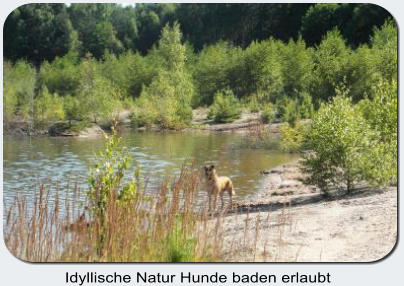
<point x="63" y="162"/>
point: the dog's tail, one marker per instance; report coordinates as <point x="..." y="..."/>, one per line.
<point x="232" y="191"/>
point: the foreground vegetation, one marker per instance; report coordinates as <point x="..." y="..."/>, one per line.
<point x="157" y="227"/>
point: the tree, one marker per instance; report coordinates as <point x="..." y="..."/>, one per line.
<point x="48" y="107"/>
<point x="297" y="67"/>
<point x="380" y="112"/>
<point x="213" y="68"/>
<point x="98" y="96"/>
<point x="260" y="70"/>
<point x="170" y="92"/>
<point x="96" y="32"/>
<point x="19" y="90"/>
<point x="331" y="60"/>
<point x="338" y="138"/>
<point x="62" y="76"/>
<point x="38" y="32"/>
<point x="355" y="21"/>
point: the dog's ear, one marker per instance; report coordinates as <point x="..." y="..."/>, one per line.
<point x="212" y="166"/>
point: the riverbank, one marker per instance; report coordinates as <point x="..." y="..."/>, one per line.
<point x="246" y="123"/>
<point x="291" y="222"/>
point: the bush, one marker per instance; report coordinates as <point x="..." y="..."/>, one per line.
<point x="268" y="113"/>
<point x="48" y="107"/>
<point x="19" y="90"/>
<point x="292" y="138"/>
<point x="73" y="109"/>
<point x="225" y="107"/>
<point x="305" y="107"/>
<point x="213" y="68"/>
<point x="62" y="76"/>
<point x="380" y="164"/>
<point x="331" y="61"/>
<point x="338" y="138"/>
<point x="288" y="110"/>
<point x="98" y="96"/>
<point x="260" y="69"/>
<point x="256" y="101"/>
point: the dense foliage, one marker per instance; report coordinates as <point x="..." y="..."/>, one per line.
<point x="354" y="143"/>
<point x="87" y="62"/>
<point x="46" y="31"/>
<point x="97" y="77"/>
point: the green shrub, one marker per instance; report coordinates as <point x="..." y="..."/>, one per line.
<point x="292" y="138"/>
<point x="380" y="163"/>
<point x="331" y="62"/>
<point x="213" y="68"/>
<point x="73" y="109"/>
<point x="256" y="101"/>
<point x="98" y="96"/>
<point x="160" y="104"/>
<point x="48" y="107"/>
<point x="106" y="184"/>
<point x="268" y="113"/>
<point x="288" y="110"/>
<point x="338" y="138"/>
<point x="62" y="76"/>
<point x="179" y="247"/>
<point x="305" y="107"/>
<point x="19" y="90"/>
<point x="225" y="107"/>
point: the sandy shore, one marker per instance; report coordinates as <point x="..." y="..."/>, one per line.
<point x="291" y="222"/>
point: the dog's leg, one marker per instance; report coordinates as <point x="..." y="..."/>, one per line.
<point x="214" y="201"/>
<point x="231" y="196"/>
<point x="210" y="202"/>
<point x="221" y="199"/>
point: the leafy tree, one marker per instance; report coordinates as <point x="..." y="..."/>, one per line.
<point x="260" y="69"/>
<point x="19" y="90"/>
<point x="322" y="18"/>
<point x="62" y="76"/>
<point x="338" y="138"/>
<point x="124" y="21"/>
<point x="98" y="95"/>
<point x="330" y="65"/>
<point x="48" y="107"/>
<point x="380" y="164"/>
<point x="305" y="108"/>
<point x="171" y="90"/>
<point x="384" y="42"/>
<point x="355" y="21"/>
<point x="10" y="93"/>
<point x="213" y="68"/>
<point x="297" y="67"/>
<point x="38" y="32"/>
<point x="95" y="29"/>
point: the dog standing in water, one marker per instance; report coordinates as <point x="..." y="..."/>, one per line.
<point x="217" y="186"/>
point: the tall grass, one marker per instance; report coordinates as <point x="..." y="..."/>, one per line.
<point x="125" y="222"/>
<point x="120" y="222"/>
<point x="163" y="227"/>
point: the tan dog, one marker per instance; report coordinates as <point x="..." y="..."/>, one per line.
<point x="217" y="186"/>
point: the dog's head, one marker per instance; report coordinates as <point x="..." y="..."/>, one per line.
<point x="209" y="171"/>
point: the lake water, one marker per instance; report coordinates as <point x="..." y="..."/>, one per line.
<point x="61" y="162"/>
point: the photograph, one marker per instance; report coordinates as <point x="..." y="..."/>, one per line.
<point x="200" y="132"/>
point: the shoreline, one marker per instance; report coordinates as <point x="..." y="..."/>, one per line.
<point x="292" y="222"/>
<point x="247" y="122"/>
